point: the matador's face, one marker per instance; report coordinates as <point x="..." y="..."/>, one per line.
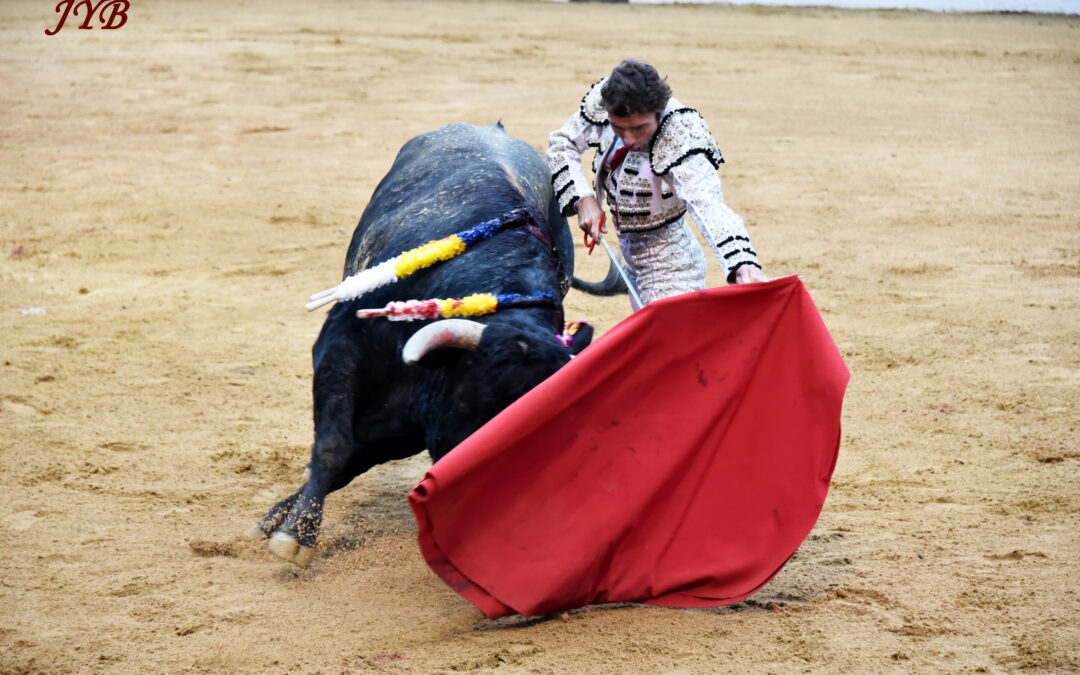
<point x="635" y="130"/>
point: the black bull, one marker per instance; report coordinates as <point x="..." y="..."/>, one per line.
<point x="369" y="405"/>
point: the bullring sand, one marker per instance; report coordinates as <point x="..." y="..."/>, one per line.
<point x="171" y="191"/>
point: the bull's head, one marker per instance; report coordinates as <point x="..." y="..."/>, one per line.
<point x="502" y="361"/>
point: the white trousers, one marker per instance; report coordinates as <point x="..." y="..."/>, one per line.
<point x="664" y="261"/>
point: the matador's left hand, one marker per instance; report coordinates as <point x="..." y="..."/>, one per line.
<point x="749" y="274"/>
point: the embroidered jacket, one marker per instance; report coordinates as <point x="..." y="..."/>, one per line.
<point x="651" y="188"/>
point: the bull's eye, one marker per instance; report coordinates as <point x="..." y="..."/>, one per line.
<point x="524" y="346"/>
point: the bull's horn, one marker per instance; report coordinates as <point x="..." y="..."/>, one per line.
<point x="460" y="333"/>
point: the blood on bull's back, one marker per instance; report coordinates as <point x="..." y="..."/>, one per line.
<point x="450" y="179"/>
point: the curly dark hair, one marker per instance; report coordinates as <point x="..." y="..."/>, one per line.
<point x="635" y="87"/>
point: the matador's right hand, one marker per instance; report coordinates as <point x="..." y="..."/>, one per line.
<point x="590" y="217"/>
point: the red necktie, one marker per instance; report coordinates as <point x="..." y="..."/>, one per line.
<point x="617" y="158"/>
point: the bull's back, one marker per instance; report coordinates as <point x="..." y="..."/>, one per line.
<point x="445" y="181"/>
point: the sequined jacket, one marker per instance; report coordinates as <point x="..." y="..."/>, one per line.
<point x="651" y="188"/>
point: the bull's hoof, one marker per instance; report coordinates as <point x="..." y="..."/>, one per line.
<point x="287" y="548"/>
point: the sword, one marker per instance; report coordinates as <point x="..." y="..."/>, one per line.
<point x="634" y="297"/>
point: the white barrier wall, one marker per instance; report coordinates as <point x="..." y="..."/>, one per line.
<point x="1038" y="6"/>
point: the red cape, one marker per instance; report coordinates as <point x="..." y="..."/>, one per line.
<point x="680" y="460"/>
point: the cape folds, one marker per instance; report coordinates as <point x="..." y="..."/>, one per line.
<point x="680" y="460"/>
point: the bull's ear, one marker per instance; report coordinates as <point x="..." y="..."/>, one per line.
<point x="582" y="339"/>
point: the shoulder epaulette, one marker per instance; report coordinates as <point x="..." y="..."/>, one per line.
<point x="592" y="105"/>
<point x="682" y="133"/>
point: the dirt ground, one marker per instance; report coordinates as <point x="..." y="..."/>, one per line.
<point x="172" y="191"/>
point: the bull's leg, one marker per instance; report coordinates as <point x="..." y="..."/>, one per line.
<point x="337" y="457"/>
<point x="293" y="523"/>
<point x="341" y="450"/>
<point x="276" y="514"/>
<point x="295" y="536"/>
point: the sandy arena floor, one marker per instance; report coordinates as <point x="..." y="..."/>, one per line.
<point x="172" y="191"/>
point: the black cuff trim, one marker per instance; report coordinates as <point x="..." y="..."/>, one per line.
<point x="734" y="237"/>
<point x="570" y="208"/>
<point x="559" y="194"/>
<point x="558" y="173"/>
<point x="738" y="251"/>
